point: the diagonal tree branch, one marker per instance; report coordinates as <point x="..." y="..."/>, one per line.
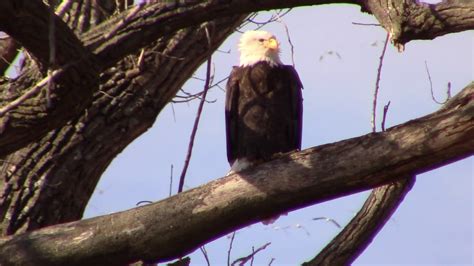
<point x="426" y="21"/>
<point x="157" y="231"/>
<point x="361" y="230"/>
<point x="28" y="22"/>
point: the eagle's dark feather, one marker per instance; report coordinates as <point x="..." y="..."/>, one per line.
<point x="263" y="111"/>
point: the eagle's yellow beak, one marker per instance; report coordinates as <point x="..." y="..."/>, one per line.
<point x="272" y="43"/>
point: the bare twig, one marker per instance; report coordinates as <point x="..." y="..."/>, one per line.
<point x="230" y="248"/>
<point x="365" y="24"/>
<point x="377" y="84"/>
<point x="174" y="113"/>
<point x="168" y="56"/>
<point x="204" y="252"/>
<point x="171" y="180"/>
<point x="189" y="96"/>
<point x="252" y="259"/>
<point x="327" y="219"/>
<point x="299" y="226"/>
<point x="273" y="18"/>
<point x="223" y="51"/>
<point x="448" y="92"/>
<point x="140" y="59"/>
<point x="246" y="22"/>
<point x="198" y="116"/>
<point x="271" y="261"/>
<point x="52" y="51"/>
<point x="63" y="7"/>
<point x="187" y="100"/>
<point x="4" y="60"/>
<point x="197" y="78"/>
<point x="51" y="37"/>
<point x="143" y="202"/>
<point x="213" y="84"/>
<point x="385" y="110"/>
<point x="49" y="89"/>
<point x="243" y="260"/>
<point x="330" y="52"/>
<point x="292" y="47"/>
<point x="106" y="94"/>
<point x="218" y="84"/>
<point x="261" y="24"/>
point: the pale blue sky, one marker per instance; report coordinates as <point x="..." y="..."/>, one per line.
<point x="433" y="226"/>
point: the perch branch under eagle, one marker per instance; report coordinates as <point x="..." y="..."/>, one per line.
<point x="263" y="107"/>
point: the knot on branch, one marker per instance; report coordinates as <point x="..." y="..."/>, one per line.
<point x="407" y="20"/>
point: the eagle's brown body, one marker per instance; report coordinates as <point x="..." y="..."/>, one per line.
<point x="263" y="112"/>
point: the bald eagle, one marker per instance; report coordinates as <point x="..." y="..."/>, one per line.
<point x="263" y="107"/>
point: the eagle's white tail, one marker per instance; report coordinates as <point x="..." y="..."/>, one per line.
<point x="239" y="165"/>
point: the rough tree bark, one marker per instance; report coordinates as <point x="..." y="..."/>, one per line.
<point x="76" y="74"/>
<point x="51" y="180"/>
<point x="127" y="104"/>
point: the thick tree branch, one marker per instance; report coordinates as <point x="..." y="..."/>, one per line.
<point x="28" y="22"/>
<point x="177" y="225"/>
<point x="361" y="230"/>
<point x="156" y="20"/>
<point x="130" y="98"/>
<point x="405" y="20"/>
<point x="408" y="20"/>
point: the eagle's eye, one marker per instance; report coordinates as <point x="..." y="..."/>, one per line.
<point x="261" y="40"/>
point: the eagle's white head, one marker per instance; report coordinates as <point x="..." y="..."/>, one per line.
<point x="258" y="45"/>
